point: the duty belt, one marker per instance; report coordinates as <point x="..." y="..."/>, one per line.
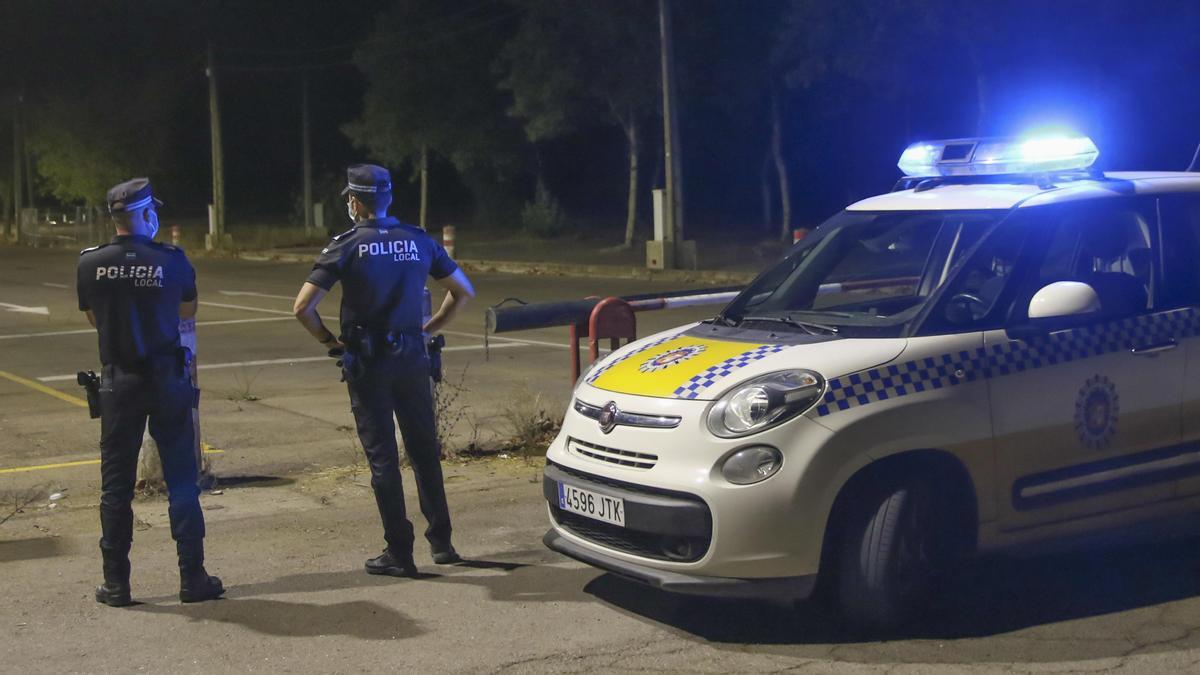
<point x="368" y="343"/>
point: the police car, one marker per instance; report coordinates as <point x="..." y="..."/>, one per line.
<point x="1001" y="352"/>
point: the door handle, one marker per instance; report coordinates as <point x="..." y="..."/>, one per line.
<point x="1151" y="350"/>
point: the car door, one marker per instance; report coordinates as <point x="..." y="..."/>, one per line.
<point x="1082" y="415"/>
<point x="1181" y="284"/>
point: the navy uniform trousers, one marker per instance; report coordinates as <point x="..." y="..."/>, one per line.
<point x="162" y="393"/>
<point x="398" y="384"/>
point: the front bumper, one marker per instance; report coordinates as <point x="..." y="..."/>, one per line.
<point x="780" y="587"/>
<point x="660" y="524"/>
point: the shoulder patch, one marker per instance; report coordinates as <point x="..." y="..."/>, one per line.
<point x="166" y="247"/>
<point x="93" y="248"/>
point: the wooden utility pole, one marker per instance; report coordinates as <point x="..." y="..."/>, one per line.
<point x="28" y="169"/>
<point x="15" y="233"/>
<point x="217" y="217"/>
<point x="673" y="216"/>
<point x="424" y="186"/>
<point x="307" y="151"/>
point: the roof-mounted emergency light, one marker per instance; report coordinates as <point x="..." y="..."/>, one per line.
<point x="995" y="156"/>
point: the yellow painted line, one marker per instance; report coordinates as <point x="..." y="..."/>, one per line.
<point x="45" y="467"/>
<point x="208" y="450"/>
<point x="38" y="386"/>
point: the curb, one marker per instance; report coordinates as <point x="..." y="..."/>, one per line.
<point x="554" y="269"/>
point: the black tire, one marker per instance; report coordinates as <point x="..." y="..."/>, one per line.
<point x="892" y="546"/>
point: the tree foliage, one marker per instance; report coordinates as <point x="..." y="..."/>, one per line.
<point x="82" y="150"/>
<point x="432" y="88"/>
<point x="575" y="65"/>
<point x="570" y="65"/>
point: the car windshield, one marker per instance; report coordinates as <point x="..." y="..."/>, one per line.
<point x="865" y="273"/>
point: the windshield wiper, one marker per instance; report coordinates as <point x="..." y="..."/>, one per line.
<point x="722" y="320"/>
<point x="805" y="326"/>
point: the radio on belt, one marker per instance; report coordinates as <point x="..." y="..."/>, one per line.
<point x="992" y="355"/>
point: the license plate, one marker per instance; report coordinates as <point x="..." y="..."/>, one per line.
<point x="591" y="504"/>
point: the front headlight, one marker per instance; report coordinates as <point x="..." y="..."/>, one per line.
<point x="763" y="402"/>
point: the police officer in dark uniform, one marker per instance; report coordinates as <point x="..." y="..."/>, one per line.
<point x="383" y="265"/>
<point x="134" y="291"/>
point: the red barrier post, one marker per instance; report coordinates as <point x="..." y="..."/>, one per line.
<point x="611" y="318"/>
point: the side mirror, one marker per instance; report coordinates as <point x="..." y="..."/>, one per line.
<point x="1063" y="299"/>
<point x="1053" y="306"/>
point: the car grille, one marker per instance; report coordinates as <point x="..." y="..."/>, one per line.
<point x="632" y="487"/>
<point x="636" y="460"/>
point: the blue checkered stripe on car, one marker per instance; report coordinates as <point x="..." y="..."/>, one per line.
<point x="696" y="384"/>
<point x="624" y="357"/>
<point x="948" y="370"/>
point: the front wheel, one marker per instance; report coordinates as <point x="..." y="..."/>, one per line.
<point x="893" y="544"/>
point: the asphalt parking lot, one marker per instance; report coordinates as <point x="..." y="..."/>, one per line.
<point x="294" y="518"/>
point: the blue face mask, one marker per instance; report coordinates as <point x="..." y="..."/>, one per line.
<point x="152" y="224"/>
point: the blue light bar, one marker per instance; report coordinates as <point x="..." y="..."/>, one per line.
<point x="997" y="156"/>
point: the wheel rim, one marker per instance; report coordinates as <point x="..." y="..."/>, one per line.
<point x="915" y="545"/>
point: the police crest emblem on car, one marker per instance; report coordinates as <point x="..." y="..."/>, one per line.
<point x="1096" y="410"/>
<point x="670" y="358"/>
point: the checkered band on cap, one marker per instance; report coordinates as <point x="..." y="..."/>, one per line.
<point x="131" y="195"/>
<point x="368" y="178"/>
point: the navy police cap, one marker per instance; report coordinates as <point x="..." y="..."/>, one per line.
<point x="133" y="194"/>
<point x="367" y="178"/>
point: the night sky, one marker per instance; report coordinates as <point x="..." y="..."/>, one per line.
<point x="1124" y="73"/>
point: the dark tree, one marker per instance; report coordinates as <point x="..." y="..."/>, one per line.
<point x="430" y="89"/>
<point x="575" y="65"/>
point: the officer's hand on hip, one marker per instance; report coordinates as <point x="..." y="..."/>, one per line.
<point x="335" y="346"/>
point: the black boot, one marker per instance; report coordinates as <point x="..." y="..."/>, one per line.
<point x="195" y="584"/>
<point x="392" y="565"/>
<point x="114" y="592"/>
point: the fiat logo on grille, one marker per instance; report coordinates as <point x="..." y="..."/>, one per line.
<point x="608" y="417"/>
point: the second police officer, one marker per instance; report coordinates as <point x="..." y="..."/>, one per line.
<point x="134" y="291"/>
<point x="383" y="265"/>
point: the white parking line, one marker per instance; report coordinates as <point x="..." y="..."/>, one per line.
<point x="282" y="362"/>
<point x="244" y="307"/>
<point x="259" y="295"/>
<point x="85" y="331"/>
<point x="47" y="283"/>
<point x="540" y="343"/>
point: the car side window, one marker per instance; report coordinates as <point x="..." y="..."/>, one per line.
<point x="1108" y="244"/>
<point x="1180" y="250"/>
<point x="975" y="297"/>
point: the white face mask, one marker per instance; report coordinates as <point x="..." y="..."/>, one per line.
<point x="350" y="212"/>
<point x="152" y="224"/>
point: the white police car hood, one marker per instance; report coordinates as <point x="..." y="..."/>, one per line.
<point x="701" y="361"/>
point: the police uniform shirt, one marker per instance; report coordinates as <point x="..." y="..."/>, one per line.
<point x="134" y="285"/>
<point x="382" y="264"/>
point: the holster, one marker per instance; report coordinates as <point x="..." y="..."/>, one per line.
<point x="90" y="382"/>
<point x="434" y="348"/>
